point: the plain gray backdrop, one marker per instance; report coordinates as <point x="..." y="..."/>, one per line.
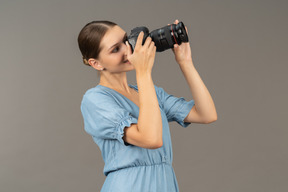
<point x="239" y="48"/>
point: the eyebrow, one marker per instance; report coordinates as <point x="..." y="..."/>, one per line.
<point x="125" y="35"/>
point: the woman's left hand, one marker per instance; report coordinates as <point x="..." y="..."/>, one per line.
<point x="182" y="52"/>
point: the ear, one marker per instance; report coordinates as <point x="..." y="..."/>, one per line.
<point x="95" y="64"/>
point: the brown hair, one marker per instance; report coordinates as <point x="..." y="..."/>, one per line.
<point x="90" y="37"/>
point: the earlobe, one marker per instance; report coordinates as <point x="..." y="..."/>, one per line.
<point x="99" y="67"/>
<point x="95" y="64"/>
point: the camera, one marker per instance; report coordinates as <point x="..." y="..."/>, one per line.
<point x="164" y="38"/>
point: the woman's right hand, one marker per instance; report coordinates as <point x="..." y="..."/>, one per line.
<point x="143" y="56"/>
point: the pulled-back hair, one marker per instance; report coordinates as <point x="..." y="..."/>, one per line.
<point x="90" y="37"/>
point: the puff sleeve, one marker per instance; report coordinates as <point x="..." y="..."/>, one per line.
<point x="104" y="118"/>
<point x="176" y="108"/>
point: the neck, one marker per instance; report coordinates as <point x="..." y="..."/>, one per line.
<point x="116" y="81"/>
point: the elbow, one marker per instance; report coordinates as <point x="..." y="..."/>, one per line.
<point x="159" y="144"/>
<point x="156" y="145"/>
<point x="211" y="120"/>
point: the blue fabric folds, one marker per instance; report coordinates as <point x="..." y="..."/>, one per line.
<point x="130" y="168"/>
<point x="126" y="122"/>
<point x="104" y="118"/>
<point x="176" y="108"/>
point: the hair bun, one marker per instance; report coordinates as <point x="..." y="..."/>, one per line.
<point x="85" y="61"/>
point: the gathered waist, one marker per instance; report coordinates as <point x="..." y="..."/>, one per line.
<point x="139" y="166"/>
<point x="142" y="178"/>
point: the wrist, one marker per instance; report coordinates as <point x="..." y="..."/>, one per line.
<point x="143" y="76"/>
<point x="186" y="62"/>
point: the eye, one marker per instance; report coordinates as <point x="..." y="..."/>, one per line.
<point x="117" y="48"/>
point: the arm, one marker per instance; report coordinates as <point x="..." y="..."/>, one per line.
<point x="204" y="110"/>
<point x="148" y="131"/>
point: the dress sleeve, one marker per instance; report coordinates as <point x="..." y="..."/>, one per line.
<point x="105" y="118"/>
<point x="176" y="108"/>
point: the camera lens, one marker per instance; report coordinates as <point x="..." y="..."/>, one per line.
<point x="132" y="38"/>
<point x="165" y="37"/>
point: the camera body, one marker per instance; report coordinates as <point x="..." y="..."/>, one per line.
<point x="164" y="38"/>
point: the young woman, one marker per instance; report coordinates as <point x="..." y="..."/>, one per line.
<point x="129" y="123"/>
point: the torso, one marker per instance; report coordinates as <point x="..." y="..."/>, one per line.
<point x="134" y="96"/>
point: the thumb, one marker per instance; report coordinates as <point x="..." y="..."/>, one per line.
<point x="129" y="51"/>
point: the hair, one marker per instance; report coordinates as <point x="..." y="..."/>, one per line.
<point x="90" y="37"/>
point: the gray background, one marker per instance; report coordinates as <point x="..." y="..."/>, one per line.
<point x="239" y="49"/>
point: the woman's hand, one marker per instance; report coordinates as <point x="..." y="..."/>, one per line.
<point x="182" y="52"/>
<point x="143" y="56"/>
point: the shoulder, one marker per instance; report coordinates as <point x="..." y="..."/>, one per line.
<point x="96" y="95"/>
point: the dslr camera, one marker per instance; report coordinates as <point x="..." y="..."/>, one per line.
<point x="164" y="38"/>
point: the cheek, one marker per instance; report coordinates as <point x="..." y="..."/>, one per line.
<point x="117" y="58"/>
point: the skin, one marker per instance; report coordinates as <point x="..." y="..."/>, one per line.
<point x="114" y="76"/>
<point x="142" y="60"/>
<point x="147" y="133"/>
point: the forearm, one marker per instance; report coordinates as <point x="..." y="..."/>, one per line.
<point x="203" y="101"/>
<point x="149" y="120"/>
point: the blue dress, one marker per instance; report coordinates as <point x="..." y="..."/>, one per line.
<point x="129" y="168"/>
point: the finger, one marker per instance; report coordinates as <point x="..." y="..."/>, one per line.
<point x="154" y="51"/>
<point x="186" y="30"/>
<point x="129" y="51"/>
<point x="147" y="42"/>
<point x="151" y="46"/>
<point x="139" y="39"/>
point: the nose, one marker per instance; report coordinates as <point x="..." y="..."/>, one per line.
<point x="125" y="49"/>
